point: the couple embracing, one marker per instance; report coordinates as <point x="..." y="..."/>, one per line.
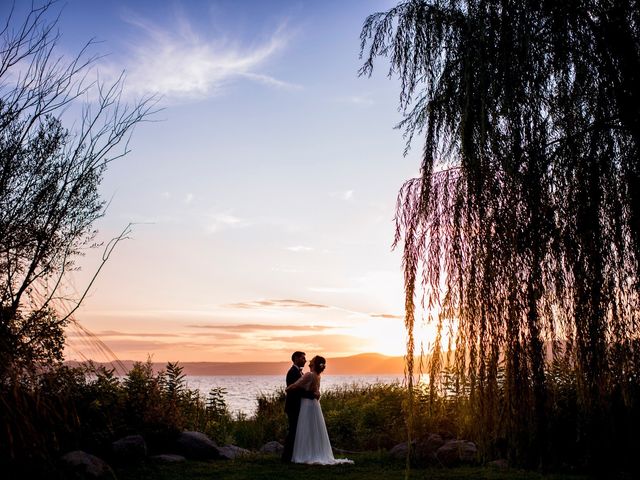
<point x="307" y="440"/>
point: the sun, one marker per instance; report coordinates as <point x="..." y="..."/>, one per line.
<point x="389" y="336"/>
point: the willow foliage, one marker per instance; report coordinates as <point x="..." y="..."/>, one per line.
<point x="523" y="231"/>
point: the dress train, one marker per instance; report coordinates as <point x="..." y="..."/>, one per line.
<point x="312" y="443"/>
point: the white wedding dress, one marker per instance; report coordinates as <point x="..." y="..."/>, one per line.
<point x="312" y="443"/>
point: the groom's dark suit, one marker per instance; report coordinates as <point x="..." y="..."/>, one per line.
<point x="292" y="409"/>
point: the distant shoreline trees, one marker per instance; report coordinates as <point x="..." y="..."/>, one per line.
<point x="524" y="228"/>
<point x="49" y="178"/>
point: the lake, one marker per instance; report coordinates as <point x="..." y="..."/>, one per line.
<point x="242" y="391"/>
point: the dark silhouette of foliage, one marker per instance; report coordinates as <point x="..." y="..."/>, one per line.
<point x="49" y="178"/>
<point x="524" y="228"/>
<point x="174" y="379"/>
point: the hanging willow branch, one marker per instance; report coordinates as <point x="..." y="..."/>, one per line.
<point x="523" y="231"/>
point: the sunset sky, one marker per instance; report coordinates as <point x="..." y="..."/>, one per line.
<point x="264" y="192"/>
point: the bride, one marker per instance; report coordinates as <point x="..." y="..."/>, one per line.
<point x="312" y="440"/>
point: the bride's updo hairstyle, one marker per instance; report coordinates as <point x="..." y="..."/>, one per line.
<point x="319" y="364"/>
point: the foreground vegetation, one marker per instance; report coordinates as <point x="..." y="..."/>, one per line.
<point x="87" y="408"/>
<point x="370" y="466"/>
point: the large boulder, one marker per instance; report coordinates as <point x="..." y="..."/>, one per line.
<point x="399" y="452"/>
<point x="197" y="446"/>
<point x="457" y="452"/>
<point x="426" y="448"/>
<point x="432" y="443"/>
<point x="272" y="448"/>
<point x="83" y="465"/>
<point x="129" y="449"/>
<point x="230" y="452"/>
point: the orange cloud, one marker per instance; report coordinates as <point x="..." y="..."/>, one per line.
<point x="286" y="303"/>
<point x="253" y="327"/>
<point x="386" y="315"/>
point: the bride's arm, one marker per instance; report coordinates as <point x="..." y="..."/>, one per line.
<point x="303" y="382"/>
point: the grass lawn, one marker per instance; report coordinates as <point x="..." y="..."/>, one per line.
<point x="367" y="467"/>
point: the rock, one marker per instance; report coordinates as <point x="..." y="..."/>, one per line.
<point x="168" y="458"/>
<point x="85" y="465"/>
<point x="274" y="448"/>
<point x="197" y="446"/>
<point x="426" y="448"/>
<point x="433" y="443"/>
<point x="129" y="449"/>
<point x="399" y="452"/>
<point x="500" y="464"/>
<point x="456" y="452"/>
<point x="231" y="451"/>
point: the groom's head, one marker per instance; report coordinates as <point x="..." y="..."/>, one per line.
<point x="298" y="359"/>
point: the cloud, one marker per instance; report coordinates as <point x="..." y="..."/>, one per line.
<point x="347" y="195"/>
<point x="299" y="248"/>
<point x="188" y="198"/>
<point x="285" y="270"/>
<point x="218" y="221"/>
<point x="139" y="346"/>
<point x="253" y="327"/>
<point x="386" y="315"/>
<point x="272" y="82"/>
<point x="287" y="303"/>
<point x="178" y="62"/>
<point x="361" y="100"/>
<point x="319" y="343"/>
<point x="334" y="289"/>
<point x="113" y="333"/>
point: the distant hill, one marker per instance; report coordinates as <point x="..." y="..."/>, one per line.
<point x="363" y="364"/>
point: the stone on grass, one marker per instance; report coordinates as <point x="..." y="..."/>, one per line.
<point x="500" y="464"/>
<point x="230" y="452"/>
<point x="129" y="449"/>
<point x="273" y="448"/>
<point x="432" y="443"/>
<point x="426" y="448"/>
<point x="399" y="452"/>
<point x="457" y="452"/>
<point x="197" y="446"/>
<point x="84" y="465"/>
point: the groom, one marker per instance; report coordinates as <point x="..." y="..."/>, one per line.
<point x="292" y="402"/>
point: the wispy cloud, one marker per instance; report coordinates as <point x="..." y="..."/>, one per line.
<point x="287" y="303"/>
<point x="299" y="248"/>
<point x="346" y="195"/>
<point x="334" y="289"/>
<point x="361" y="100"/>
<point x="218" y="221"/>
<point x="114" y="333"/>
<point x="177" y="61"/>
<point x="319" y="343"/>
<point x="253" y="327"/>
<point x="386" y="315"/>
<point x="272" y="82"/>
<point x="286" y="269"/>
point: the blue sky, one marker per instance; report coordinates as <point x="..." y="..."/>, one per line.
<point x="265" y="189"/>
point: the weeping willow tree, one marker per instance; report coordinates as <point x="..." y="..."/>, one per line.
<point x="522" y="234"/>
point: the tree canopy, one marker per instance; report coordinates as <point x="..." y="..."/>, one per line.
<point x="49" y="178"/>
<point x="523" y="230"/>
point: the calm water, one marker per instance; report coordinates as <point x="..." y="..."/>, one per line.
<point x="242" y="391"/>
